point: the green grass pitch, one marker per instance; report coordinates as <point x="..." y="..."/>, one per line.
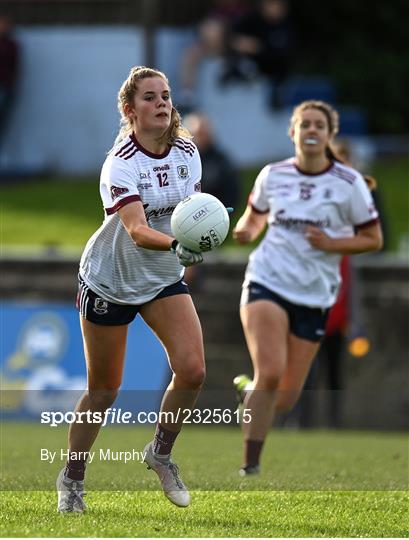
<point x="63" y="212"/>
<point x="313" y="484"/>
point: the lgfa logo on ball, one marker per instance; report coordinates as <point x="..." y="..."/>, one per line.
<point x="202" y="212"/>
<point x="200" y="222"/>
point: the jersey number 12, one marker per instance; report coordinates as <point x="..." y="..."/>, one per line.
<point x="163" y="179"/>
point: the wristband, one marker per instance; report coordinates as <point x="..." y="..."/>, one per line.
<point x="174" y="245"/>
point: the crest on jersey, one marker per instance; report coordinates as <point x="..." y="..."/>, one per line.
<point x="100" y="306"/>
<point x="183" y="171"/>
<point x="117" y="191"/>
<point x="306" y="191"/>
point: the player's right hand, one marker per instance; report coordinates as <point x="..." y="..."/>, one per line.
<point x="187" y="257"/>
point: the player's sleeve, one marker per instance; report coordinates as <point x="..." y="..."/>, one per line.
<point x="258" y="198"/>
<point x="195" y="177"/>
<point x="118" y="184"/>
<point x="362" y="210"/>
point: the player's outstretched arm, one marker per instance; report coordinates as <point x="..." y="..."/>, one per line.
<point x="250" y="226"/>
<point x="366" y="239"/>
<point x="133" y="218"/>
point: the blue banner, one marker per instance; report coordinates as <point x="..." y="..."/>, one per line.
<point x="41" y="353"/>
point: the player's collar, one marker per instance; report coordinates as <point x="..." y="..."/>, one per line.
<point x="147" y="152"/>
<point x="313" y="174"/>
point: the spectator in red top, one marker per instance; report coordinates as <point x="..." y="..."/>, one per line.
<point x="338" y="317"/>
<point x="330" y="357"/>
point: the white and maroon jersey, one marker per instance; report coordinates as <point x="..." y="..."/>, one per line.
<point x="112" y="265"/>
<point x="336" y="200"/>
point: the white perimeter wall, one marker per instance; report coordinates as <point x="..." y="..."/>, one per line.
<point x="66" y="119"/>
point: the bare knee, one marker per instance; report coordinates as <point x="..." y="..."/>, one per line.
<point x="268" y="380"/>
<point x="100" y="400"/>
<point x="192" y="375"/>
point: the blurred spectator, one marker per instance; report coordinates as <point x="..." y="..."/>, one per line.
<point x="344" y="333"/>
<point x="213" y="34"/>
<point x="261" y="43"/>
<point x="9" y="67"/>
<point x="219" y="176"/>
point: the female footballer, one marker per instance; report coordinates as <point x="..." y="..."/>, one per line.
<point x="316" y="210"/>
<point x="133" y="265"/>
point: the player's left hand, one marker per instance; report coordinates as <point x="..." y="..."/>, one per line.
<point x="318" y="239"/>
<point x="187" y="257"/>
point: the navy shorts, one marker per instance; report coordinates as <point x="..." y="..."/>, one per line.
<point x="96" y="309"/>
<point x="305" y="322"/>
